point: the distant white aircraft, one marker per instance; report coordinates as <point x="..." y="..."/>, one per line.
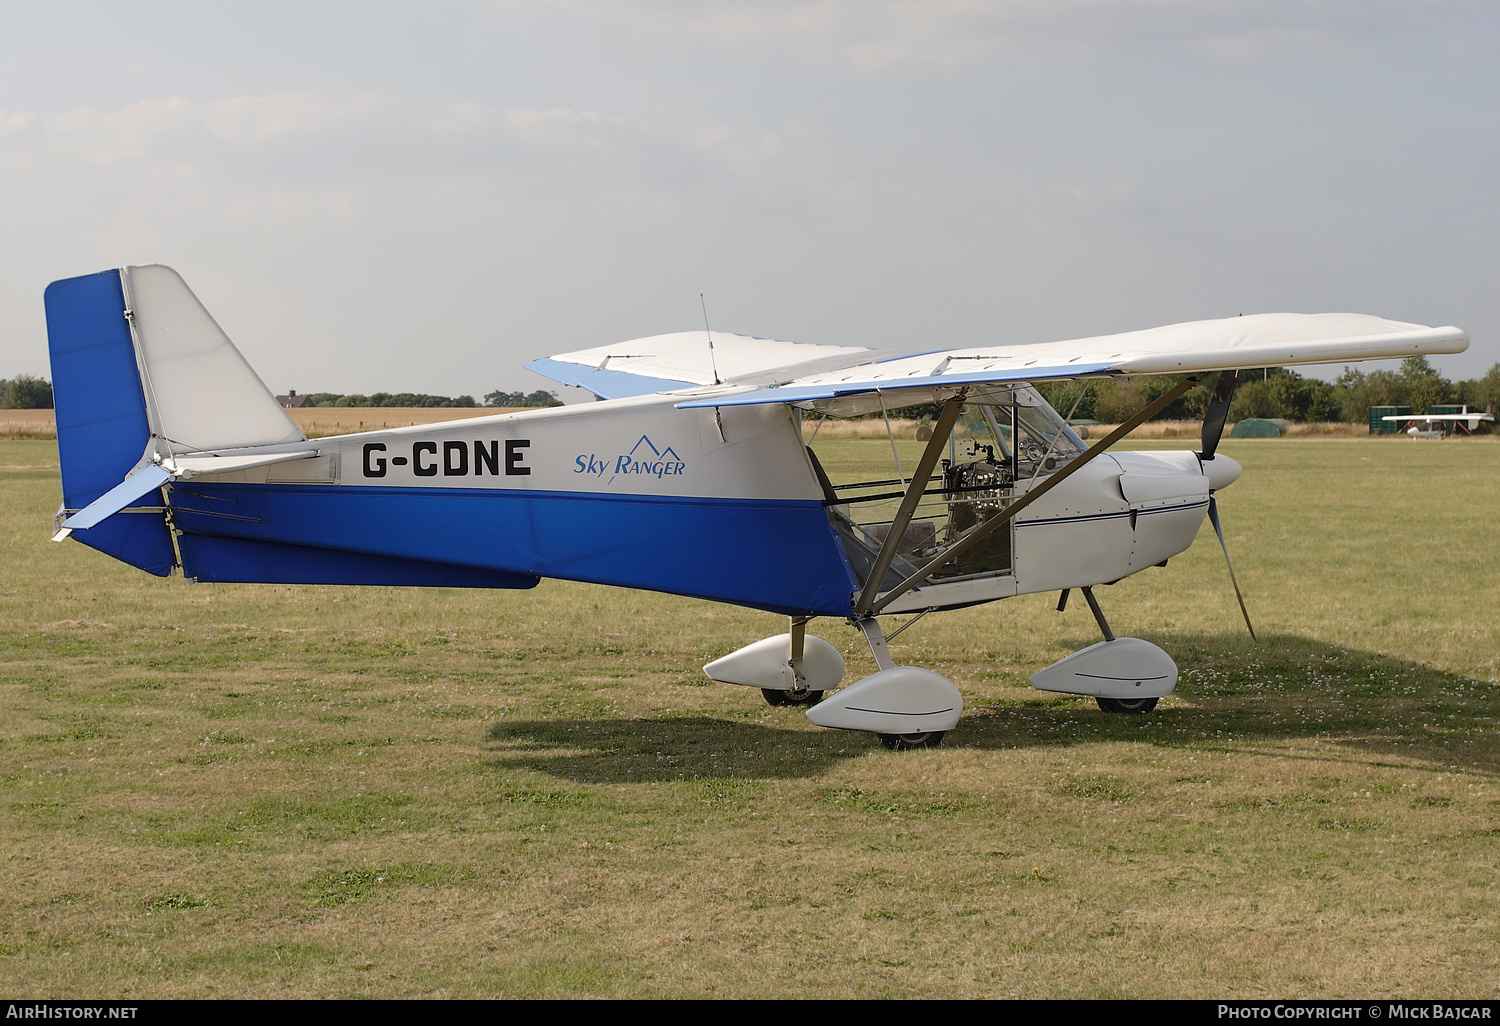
<point x="1422" y="423"/>
<point x="691" y="478"/>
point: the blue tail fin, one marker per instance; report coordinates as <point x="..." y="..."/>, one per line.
<point x="102" y="425"/>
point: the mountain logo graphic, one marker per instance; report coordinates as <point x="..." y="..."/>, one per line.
<point x="645" y="459"/>
<point x="652" y="451"/>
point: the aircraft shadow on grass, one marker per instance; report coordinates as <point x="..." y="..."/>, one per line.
<point x="1286" y="688"/>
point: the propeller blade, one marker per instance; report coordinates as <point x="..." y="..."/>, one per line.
<point x="1218" y="413"/>
<point x="1213" y="516"/>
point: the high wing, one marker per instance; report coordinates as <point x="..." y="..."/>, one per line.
<point x="664" y="363"/>
<point x="847" y="381"/>
<point x="1430" y="417"/>
<point x="1262" y="340"/>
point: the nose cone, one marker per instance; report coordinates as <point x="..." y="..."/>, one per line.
<point x="1221" y="471"/>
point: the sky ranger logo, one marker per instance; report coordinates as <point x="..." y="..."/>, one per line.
<point x="644" y="459"/>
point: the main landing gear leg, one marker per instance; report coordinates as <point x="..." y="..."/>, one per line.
<point x="907" y="706"/>
<point x="875" y="638"/>
<point x="1088" y="594"/>
<point x="1123" y="706"/>
<point x="801" y="694"/>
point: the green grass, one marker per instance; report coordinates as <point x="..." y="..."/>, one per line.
<point x="277" y="791"/>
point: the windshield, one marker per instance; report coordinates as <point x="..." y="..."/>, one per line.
<point x="1006" y="438"/>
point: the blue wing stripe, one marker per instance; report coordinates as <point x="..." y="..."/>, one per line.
<point x="807" y="393"/>
<point x="607" y="384"/>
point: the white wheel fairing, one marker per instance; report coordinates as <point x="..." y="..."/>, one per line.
<point x="1127" y="668"/>
<point x="764" y="664"/>
<point x="901" y="700"/>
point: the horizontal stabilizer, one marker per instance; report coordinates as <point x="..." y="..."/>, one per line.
<point x="146" y="479"/>
<point x="154" y="475"/>
<point x="223" y="463"/>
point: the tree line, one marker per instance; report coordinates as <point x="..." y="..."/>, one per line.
<point x="540" y="397"/>
<point x="1278" y="393"/>
<point x="1271" y="392"/>
<point x="25" y="392"/>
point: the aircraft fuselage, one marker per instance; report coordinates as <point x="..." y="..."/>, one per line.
<point x="637" y="493"/>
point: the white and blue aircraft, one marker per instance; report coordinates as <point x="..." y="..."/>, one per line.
<point x="1438" y="425"/>
<point x="691" y="477"/>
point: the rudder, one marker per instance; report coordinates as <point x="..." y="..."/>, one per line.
<point x="100" y="407"/>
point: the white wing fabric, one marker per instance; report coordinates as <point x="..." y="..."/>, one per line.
<point x="682" y="359"/>
<point x="1262" y="340"/>
<point x="754" y="371"/>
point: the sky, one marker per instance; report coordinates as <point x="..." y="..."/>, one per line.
<point x="392" y="196"/>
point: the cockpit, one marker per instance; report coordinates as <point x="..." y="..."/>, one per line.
<point x="1002" y="443"/>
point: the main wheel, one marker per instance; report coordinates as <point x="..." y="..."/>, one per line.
<point x="922" y="739"/>
<point x="776" y="697"/>
<point x="1127" y="706"/>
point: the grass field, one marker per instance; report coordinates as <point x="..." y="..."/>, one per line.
<point x="264" y="791"/>
<point x="316" y="421"/>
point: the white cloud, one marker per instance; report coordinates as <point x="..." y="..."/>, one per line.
<point x="827" y="170"/>
<point x="886" y="35"/>
<point x="305" y="186"/>
<point x="233" y="138"/>
<point x="15" y="122"/>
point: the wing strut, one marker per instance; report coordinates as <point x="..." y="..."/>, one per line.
<point x="978" y="531"/>
<point x="914" y="490"/>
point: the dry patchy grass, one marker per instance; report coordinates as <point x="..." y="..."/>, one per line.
<point x="277" y="791"/>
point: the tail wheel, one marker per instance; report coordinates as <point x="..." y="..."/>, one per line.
<point x="1127" y="706"/>
<point x="922" y="739"/>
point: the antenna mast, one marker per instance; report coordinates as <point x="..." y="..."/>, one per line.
<point x="711" y="361"/>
